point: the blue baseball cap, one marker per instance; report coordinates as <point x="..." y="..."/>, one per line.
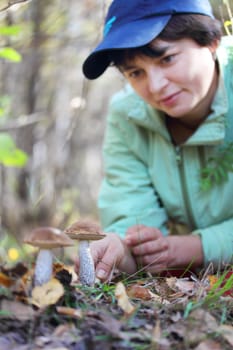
<point x="134" y="23"/>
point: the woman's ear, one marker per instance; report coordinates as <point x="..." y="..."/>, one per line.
<point x="213" y="47"/>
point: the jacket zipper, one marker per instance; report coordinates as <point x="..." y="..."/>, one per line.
<point x="187" y="201"/>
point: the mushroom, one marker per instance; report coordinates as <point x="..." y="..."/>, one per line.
<point x="84" y="232"/>
<point x="46" y="238"/>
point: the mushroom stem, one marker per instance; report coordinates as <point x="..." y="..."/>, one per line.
<point x="86" y="264"/>
<point x="43" y="267"/>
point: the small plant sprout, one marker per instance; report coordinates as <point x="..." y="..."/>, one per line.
<point x="84" y="232"/>
<point x="46" y="238"/>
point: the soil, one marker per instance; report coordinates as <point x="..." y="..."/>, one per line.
<point x="166" y="314"/>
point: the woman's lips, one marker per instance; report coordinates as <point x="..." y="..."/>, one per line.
<point x="170" y="100"/>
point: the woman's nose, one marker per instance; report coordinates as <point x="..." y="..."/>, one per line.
<point x="156" y="80"/>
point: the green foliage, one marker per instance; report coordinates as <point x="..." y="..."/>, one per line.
<point x="10" y="30"/>
<point x="217" y="169"/>
<point x="228" y="25"/>
<point x="100" y="291"/>
<point x="219" y="288"/>
<point x="10" y="155"/>
<point x="10" y="54"/>
<point x="4" y="107"/>
<point x="223" y="285"/>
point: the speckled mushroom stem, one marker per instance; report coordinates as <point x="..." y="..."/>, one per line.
<point x="43" y="267"/>
<point x="86" y="264"/>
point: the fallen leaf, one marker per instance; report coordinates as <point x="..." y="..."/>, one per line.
<point x="110" y="324"/>
<point x="201" y="323"/>
<point x="69" y="311"/>
<point x="5" y="280"/>
<point x="17" y="310"/>
<point x="123" y="299"/>
<point x="157" y="338"/>
<point x="139" y="292"/>
<point x="212" y="279"/>
<point x="227" y="333"/>
<point x="209" y="345"/>
<point x="62" y="329"/>
<point x="180" y="284"/>
<point x="47" y="294"/>
<point x="156" y="334"/>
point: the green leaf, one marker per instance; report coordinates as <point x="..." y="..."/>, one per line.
<point x="10" y="30"/>
<point x="10" y="54"/>
<point x="10" y="155"/>
<point x="218" y="168"/>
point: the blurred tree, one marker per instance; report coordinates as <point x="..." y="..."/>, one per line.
<point x="55" y="115"/>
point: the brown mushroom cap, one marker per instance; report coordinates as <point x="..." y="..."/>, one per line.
<point x="48" y="238"/>
<point x="84" y="230"/>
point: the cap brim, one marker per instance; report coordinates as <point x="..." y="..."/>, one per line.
<point x="130" y="35"/>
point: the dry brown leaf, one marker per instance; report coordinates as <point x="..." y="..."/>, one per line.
<point x="158" y="341"/>
<point x="123" y="299"/>
<point x="209" y="345"/>
<point x="156" y="334"/>
<point x="47" y="294"/>
<point x="171" y="282"/>
<point x="139" y="292"/>
<point x="212" y="279"/>
<point x="5" y="280"/>
<point x="227" y="333"/>
<point x="201" y="323"/>
<point x="63" y="329"/>
<point x="17" y="310"/>
<point x="69" y="311"/>
<point x="180" y="284"/>
<point x="23" y="285"/>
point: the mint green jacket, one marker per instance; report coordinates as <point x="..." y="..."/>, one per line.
<point x="148" y="180"/>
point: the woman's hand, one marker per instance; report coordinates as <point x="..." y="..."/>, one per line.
<point x="109" y="253"/>
<point x="149" y="247"/>
<point x="155" y="252"/>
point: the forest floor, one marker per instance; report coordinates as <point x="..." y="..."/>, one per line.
<point x="130" y="312"/>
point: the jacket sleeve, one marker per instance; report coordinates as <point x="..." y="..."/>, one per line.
<point x="217" y="243"/>
<point x="127" y="196"/>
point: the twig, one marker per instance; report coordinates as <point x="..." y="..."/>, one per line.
<point x="23" y="121"/>
<point x="12" y="3"/>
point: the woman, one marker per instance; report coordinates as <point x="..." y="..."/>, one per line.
<point x="165" y="129"/>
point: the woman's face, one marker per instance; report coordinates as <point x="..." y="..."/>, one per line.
<point x="181" y="82"/>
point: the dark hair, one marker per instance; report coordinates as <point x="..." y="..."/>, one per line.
<point x="204" y="30"/>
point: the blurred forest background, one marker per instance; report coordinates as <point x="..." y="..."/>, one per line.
<point x="52" y="120"/>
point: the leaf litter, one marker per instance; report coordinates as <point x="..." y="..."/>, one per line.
<point x="129" y="312"/>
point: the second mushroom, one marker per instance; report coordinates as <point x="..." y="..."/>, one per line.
<point x="84" y="232"/>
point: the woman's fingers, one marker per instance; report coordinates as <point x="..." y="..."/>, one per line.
<point x="111" y="253"/>
<point x="105" y="263"/>
<point x="139" y="234"/>
<point x="150" y="247"/>
<point x="153" y="263"/>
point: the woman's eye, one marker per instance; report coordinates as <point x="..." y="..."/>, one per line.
<point x="134" y="74"/>
<point x="167" y="59"/>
